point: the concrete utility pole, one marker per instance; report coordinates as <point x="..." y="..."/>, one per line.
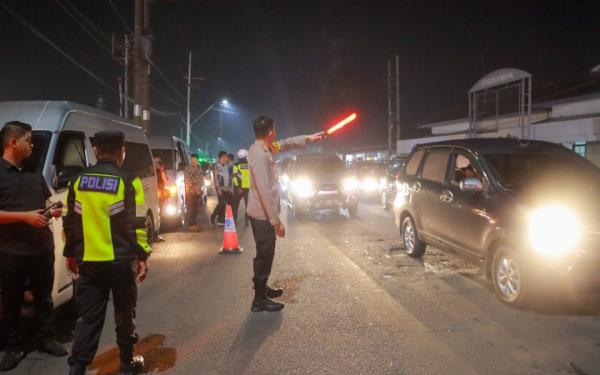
<point x="393" y="117"/>
<point x="126" y="77"/>
<point x="189" y="95"/>
<point x="142" y="45"/>
<point x="147" y="53"/>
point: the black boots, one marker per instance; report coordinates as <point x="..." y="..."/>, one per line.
<point x="262" y="301"/>
<point x="11" y="360"/>
<point x="274" y="293"/>
<point x="266" y="304"/>
<point x="53" y="348"/>
<point x="135" y="366"/>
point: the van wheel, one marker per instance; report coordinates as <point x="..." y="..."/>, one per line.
<point x="509" y="277"/>
<point x="150" y="232"/>
<point x="410" y="238"/>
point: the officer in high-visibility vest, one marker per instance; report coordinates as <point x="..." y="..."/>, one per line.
<point x="106" y="248"/>
<point x="241" y="183"/>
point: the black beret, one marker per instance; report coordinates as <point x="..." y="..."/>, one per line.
<point x="108" y="138"/>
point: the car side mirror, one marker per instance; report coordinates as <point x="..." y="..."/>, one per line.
<point x="65" y="175"/>
<point x="471" y="184"/>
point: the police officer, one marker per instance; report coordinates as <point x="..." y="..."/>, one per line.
<point x="26" y="245"/>
<point x="241" y="183"/>
<point x="105" y="230"/>
<point x="264" y="205"/>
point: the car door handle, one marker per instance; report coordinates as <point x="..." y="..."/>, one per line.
<point x="416" y="187"/>
<point x="447" y="196"/>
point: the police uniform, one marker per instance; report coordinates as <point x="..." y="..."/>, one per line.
<point x="264" y="209"/>
<point x="241" y="182"/>
<point x="105" y="230"/>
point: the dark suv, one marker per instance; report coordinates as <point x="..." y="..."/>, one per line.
<point x="321" y="181"/>
<point x="528" y="211"/>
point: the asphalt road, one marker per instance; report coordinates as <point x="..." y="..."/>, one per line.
<point x="355" y="304"/>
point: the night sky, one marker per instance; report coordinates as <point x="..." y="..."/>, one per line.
<point x="302" y="62"/>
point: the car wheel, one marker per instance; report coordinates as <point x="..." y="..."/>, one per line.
<point x="410" y="239"/>
<point x="508" y="276"/>
<point x="150" y="232"/>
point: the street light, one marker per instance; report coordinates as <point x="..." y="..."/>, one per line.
<point x="223" y="102"/>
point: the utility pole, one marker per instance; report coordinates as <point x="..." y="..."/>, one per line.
<point x="393" y="116"/>
<point x="142" y="45"/>
<point x="397" y="100"/>
<point x="126" y="77"/>
<point x="137" y="63"/>
<point x="189" y="81"/>
<point x="390" y="119"/>
<point x="147" y="53"/>
<point x="189" y="95"/>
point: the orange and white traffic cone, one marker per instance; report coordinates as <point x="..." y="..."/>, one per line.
<point x="230" y="238"/>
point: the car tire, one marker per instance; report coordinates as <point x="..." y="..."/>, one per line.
<point x="413" y="246"/>
<point x="509" y="277"/>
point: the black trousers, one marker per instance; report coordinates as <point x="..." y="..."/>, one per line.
<point x="237" y="199"/>
<point x="97" y="280"/>
<point x="192" y="202"/>
<point x="264" y="237"/>
<point x="225" y="198"/>
<point x="39" y="270"/>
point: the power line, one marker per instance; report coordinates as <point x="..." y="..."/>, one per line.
<point x="66" y="55"/>
<point x="83" y="27"/>
<point x="104" y="35"/>
<point x="119" y="16"/>
<point x="160" y="73"/>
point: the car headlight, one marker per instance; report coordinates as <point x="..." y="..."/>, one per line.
<point x="350" y="184"/>
<point x="369" y="184"/>
<point x="172" y="190"/>
<point x="304" y="187"/>
<point x="171" y="210"/>
<point x="554" y="230"/>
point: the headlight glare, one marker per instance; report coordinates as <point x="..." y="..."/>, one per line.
<point x="369" y="184"/>
<point x="554" y="230"/>
<point x="304" y="187"/>
<point x="350" y="184"/>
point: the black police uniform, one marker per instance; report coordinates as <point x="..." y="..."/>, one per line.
<point x="26" y="252"/>
<point x="105" y="230"/>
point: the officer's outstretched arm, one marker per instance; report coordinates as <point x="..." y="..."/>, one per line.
<point x="136" y="219"/>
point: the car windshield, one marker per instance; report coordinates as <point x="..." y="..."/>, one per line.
<point x="40" y="140"/>
<point x="166" y="155"/>
<point x="370" y="169"/>
<point x="319" y="165"/>
<point x="517" y="169"/>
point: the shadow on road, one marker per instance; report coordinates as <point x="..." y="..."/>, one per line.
<point x="255" y="330"/>
<point x="157" y="358"/>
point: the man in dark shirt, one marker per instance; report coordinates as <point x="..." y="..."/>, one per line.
<point x="26" y="245"/>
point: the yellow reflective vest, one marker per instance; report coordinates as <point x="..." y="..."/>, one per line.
<point x="106" y="216"/>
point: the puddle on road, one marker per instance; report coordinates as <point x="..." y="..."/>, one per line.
<point x="290" y="287"/>
<point x="157" y="358"/>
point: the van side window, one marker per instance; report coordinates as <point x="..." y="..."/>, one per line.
<point x="138" y="159"/>
<point x="182" y="158"/>
<point x="412" y="166"/>
<point x="435" y="165"/>
<point x="69" y="158"/>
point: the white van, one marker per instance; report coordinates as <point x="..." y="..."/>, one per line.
<point x="61" y="138"/>
<point x="175" y="155"/>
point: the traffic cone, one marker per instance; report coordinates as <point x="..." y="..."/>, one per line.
<point x="230" y="238"/>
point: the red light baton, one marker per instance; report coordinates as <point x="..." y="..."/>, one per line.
<point x="340" y="124"/>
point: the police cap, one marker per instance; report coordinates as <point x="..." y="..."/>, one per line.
<point x="109" y="139"/>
